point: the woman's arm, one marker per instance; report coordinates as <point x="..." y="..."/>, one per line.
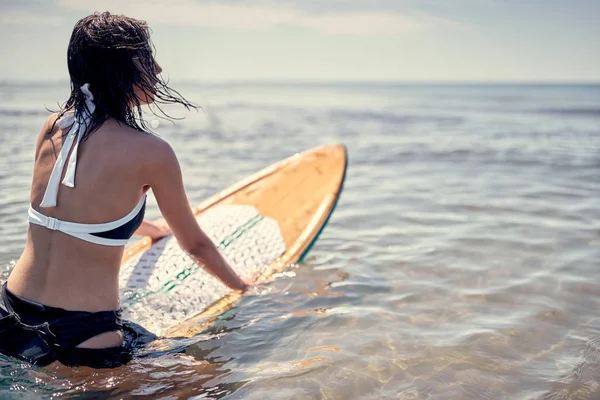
<point x="165" y="179"/>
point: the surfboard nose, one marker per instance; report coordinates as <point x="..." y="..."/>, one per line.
<point x="336" y="155"/>
<point x="331" y="150"/>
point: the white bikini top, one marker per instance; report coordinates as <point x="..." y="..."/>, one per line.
<point x="115" y="233"/>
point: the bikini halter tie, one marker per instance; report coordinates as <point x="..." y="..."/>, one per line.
<point x="79" y="120"/>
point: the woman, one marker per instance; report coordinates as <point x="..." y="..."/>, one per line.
<point x="93" y="165"/>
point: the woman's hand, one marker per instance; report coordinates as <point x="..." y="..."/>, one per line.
<point x="154" y="230"/>
<point x="163" y="227"/>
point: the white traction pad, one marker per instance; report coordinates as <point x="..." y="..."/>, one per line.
<point x="163" y="286"/>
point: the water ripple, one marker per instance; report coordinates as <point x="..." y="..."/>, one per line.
<point x="461" y="262"/>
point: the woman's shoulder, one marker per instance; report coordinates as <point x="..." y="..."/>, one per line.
<point x="49" y="124"/>
<point x="47" y="130"/>
<point x="145" y="144"/>
<point x="140" y="138"/>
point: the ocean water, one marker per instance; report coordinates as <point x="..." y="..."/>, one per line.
<point x="462" y="262"/>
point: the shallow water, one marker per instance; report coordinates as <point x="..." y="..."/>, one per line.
<point x="462" y="261"/>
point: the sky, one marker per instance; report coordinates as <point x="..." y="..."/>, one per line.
<point x="326" y="40"/>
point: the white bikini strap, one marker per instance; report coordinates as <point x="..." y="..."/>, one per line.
<point x="51" y="193"/>
<point x="84" y="231"/>
<point x="73" y="227"/>
<point x="79" y="123"/>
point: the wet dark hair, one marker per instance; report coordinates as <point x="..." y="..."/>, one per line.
<point x="113" y="53"/>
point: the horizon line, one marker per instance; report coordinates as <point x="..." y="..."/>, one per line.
<point x="329" y="82"/>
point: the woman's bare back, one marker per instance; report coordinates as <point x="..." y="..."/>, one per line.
<point x="63" y="271"/>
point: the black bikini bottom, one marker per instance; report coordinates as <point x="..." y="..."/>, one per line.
<point x="41" y="334"/>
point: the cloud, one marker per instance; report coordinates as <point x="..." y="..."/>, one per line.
<point x="24" y="18"/>
<point x="259" y="17"/>
<point x="373" y="23"/>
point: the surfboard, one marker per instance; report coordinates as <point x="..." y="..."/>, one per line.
<point x="261" y="225"/>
